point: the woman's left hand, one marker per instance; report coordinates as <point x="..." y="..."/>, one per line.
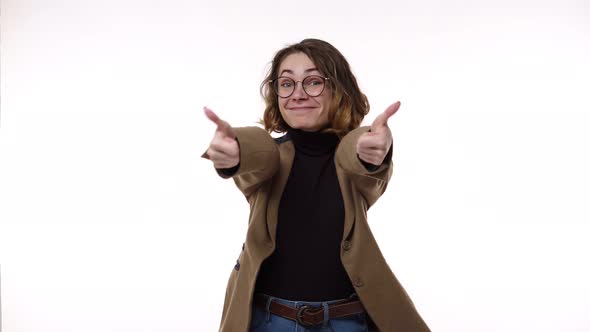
<point x="372" y="146"/>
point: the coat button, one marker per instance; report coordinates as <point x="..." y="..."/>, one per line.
<point x="237" y="266"/>
<point x="346" y="245"/>
<point x="358" y="282"/>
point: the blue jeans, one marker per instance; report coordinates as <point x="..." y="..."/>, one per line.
<point x="264" y="321"/>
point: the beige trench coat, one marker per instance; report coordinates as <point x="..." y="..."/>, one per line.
<point x="264" y="168"/>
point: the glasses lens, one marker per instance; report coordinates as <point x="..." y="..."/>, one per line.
<point x="284" y="86"/>
<point x="313" y="85"/>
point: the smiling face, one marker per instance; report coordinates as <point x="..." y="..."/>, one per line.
<point x="299" y="110"/>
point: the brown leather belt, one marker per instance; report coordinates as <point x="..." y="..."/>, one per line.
<point x="307" y="315"/>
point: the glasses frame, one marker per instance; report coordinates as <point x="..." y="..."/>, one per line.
<point x="275" y="88"/>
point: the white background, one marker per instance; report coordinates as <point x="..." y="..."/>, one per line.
<point x="111" y="221"/>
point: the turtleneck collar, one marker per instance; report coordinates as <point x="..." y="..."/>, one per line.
<point x="313" y="143"/>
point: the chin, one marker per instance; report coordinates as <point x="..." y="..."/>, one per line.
<point x="303" y="126"/>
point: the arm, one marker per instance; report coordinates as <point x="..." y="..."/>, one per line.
<point x="258" y="159"/>
<point x="370" y="180"/>
<point x="365" y="154"/>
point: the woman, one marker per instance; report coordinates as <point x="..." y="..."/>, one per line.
<point x="310" y="262"/>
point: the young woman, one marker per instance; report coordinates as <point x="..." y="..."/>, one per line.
<point x="310" y="262"/>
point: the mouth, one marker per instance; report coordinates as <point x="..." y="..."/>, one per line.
<point x="301" y="108"/>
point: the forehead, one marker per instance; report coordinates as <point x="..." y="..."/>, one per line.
<point x="296" y="62"/>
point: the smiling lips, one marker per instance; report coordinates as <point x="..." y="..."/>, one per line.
<point x="301" y="108"/>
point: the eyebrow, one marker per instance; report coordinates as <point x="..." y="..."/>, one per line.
<point x="289" y="71"/>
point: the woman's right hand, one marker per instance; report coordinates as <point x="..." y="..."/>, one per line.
<point x="224" y="150"/>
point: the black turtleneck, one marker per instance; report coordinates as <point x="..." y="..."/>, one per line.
<point x="306" y="263"/>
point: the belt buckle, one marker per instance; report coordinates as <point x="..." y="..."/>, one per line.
<point x="299" y="316"/>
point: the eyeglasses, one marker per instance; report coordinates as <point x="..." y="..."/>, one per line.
<point x="312" y="85"/>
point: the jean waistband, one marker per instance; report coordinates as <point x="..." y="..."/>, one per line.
<point x="298" y="304"/>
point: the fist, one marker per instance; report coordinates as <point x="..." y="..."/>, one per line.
<point x="224" y="150"/>
<point x="372" y="147"/>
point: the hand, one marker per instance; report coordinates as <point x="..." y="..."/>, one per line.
<point x="372" y="147"/>
<point x="224" y="150"/>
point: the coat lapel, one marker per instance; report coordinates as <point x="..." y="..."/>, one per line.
<point x="287" y="154"/>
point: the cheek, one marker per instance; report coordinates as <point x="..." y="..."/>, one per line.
<point x="284" y="114"/>
<point x="282" y="110"/>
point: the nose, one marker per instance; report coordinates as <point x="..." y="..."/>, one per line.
<point x="299" y="93"/>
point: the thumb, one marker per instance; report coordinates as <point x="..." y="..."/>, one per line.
<point x="381" y="120"/>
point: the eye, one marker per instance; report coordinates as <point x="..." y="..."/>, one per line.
<point x="285" y="82"/>
<point x="314" y="81"/>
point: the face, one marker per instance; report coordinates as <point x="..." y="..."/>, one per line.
<point x="299" y="110"/>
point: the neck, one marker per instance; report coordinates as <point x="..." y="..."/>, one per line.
<point x="313" y="142"/>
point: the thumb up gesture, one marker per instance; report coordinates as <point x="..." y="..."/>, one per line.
<point x="224" y="150"/>
<point x="372" y="147"/>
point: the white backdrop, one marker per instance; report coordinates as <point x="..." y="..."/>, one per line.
<point x="111" y="221"/>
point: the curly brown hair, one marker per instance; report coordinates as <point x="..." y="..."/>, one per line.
<point x="348" y="106"/>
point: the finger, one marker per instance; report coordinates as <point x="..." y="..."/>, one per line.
<point x="222" y="126"/>
<point x="381" y="120"/>
<point x="368" y="156"/>
<point x="224" y="148"/>
<point x="220" y="158"/>
<point x="371" y="141"/>
<point x="226" y="130"/>
<point x="375" y="153"/>
<point x="367" y="141"/>
<point x="211" y="115"/>
<point x="219" y="148"/>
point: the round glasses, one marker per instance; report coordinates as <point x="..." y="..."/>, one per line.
<point x="312" y="85"/>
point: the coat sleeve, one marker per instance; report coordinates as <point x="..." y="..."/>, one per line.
<point x="370" y="180"/>
<point x="259" y="159"/>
